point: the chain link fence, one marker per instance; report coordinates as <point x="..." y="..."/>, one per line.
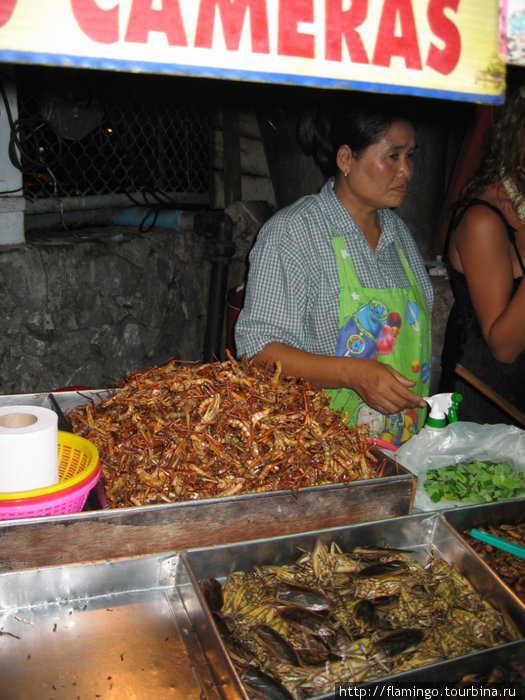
<point x="92" y="133"/>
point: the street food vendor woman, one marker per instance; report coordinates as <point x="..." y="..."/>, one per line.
<point x="337" y="290"/>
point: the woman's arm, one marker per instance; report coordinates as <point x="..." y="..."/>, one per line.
<point x="479" y="248"/>
<point x="379" y="385"/>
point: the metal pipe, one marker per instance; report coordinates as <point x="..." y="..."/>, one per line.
<point x="105" y="201"/>
<point x="146" y="218"/>
<point x="175" y="219"/>
<point x="220" y="250"/>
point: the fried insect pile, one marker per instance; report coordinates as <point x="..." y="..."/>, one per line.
<point x="181" y="432"/>
<point x="336" y="617"/>
<point x="510" y="569"/>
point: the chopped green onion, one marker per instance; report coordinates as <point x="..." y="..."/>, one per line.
<point x="474" y="482"/>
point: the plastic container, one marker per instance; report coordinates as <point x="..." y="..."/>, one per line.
<point x="378" y="442"/>
<point x="79" y="471"/>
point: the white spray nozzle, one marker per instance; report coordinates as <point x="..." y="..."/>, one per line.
<point x="440" y="408"/>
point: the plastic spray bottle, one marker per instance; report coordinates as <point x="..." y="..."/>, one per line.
<point x="443" y="407"/>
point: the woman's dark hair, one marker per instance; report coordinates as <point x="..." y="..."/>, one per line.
<point x="324" y="128"/>
<point x="504" y="154"/>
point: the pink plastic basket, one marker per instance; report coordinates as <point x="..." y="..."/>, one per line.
<point x="67" y="501"/>
<point x="79" y="471"/>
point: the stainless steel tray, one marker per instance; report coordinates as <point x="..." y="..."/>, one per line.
<point x="419" y="533"/>
<point x="174" y="527"/>
<point x="463" y="519"/>
<point x="111" y="630"/>
<point x="467" y="517"/>
<point x="67" y="400"/>
<point x="138" y="627"/>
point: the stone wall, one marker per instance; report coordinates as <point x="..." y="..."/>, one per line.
<point x="86" y="311"/>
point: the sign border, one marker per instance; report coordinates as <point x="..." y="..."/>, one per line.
<point x="185" y="70"/>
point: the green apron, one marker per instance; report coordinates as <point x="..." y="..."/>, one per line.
<point x="391" y="326"/>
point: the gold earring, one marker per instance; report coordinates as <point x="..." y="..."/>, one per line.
<point x="346" y="173"/>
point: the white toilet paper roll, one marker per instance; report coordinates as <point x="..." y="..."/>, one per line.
<point x="28" y="448"/>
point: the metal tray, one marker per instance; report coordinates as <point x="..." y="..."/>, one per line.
<point x="112" y="630"/>
<point x="138" y="627"/>
<point x="122" y="532"/>
<point x="461" y="519"/>
<point x="467" y="517"/>
<point x="420" y="533"/>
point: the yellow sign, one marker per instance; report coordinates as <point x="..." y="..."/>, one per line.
<point x="437" y="48"/>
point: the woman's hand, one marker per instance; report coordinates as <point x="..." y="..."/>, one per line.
<point x="380" y="386"/>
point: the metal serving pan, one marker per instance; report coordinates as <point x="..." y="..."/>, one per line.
<point x="122" y="532"/>
<point x="419" y="533"/>
<point x="138" y="627"/>
<point x="108" y="630"/>
<point x="465" y="518"/>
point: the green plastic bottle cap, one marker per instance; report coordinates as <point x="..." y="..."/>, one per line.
<point x="436" y="422"/>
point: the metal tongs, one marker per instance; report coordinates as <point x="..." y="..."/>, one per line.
<point x="511" y="547"/>
<point x="63" y="423"/>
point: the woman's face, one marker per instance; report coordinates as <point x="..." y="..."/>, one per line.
<point x="379" y="176"/>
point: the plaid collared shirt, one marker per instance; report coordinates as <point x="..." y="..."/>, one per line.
<point x="292" y="291"/>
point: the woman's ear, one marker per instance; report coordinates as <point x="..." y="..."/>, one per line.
<point x="344" y="159"/>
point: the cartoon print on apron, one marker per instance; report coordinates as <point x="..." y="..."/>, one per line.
<point x="387" y="325"/>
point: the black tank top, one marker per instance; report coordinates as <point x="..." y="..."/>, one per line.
<point x="464" y="344"/>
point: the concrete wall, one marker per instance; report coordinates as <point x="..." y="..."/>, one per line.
<point x="85" y="312"/>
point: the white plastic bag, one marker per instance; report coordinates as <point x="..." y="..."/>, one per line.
<point x="459" y="442"/>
